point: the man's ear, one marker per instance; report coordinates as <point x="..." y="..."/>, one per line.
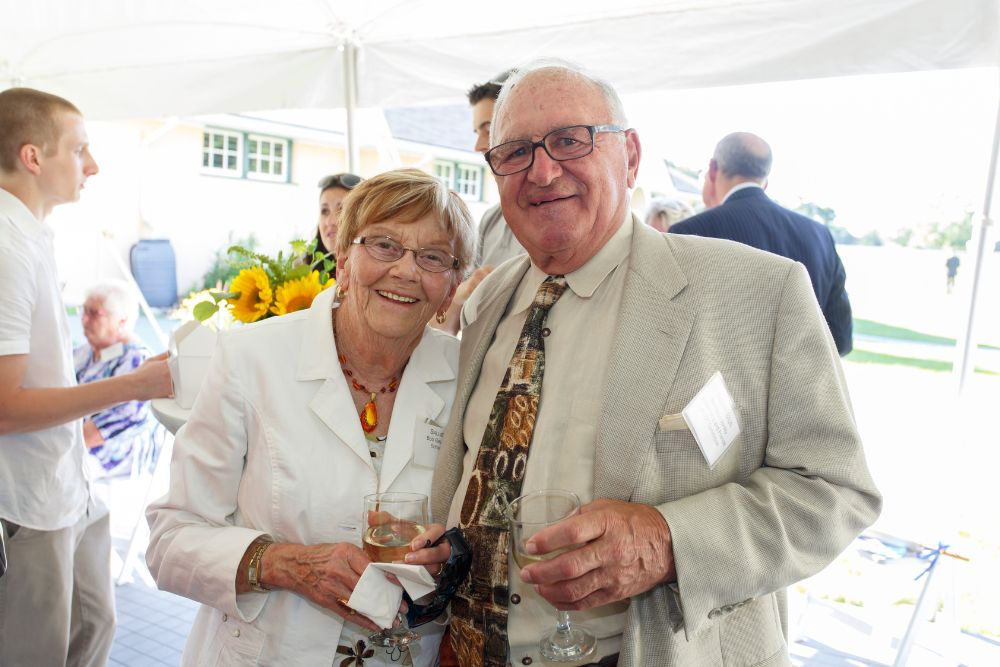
<point x="30" y="156"/>
<point x="708" y="188"/>
<point x="713" y="170"/>
<point x="633" y="152"/>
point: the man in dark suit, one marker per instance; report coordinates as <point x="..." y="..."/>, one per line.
<point x="740" y="211"/>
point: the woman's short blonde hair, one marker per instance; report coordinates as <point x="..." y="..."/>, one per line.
<point x="408" y="195"/>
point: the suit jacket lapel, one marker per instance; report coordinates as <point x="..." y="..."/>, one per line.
<point x="477" y="336"/>
<point x="652" y="332"/>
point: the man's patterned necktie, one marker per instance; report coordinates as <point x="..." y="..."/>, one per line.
<point x="479" y="610"/>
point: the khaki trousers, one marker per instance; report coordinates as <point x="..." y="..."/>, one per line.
<point x="56" y="602"/>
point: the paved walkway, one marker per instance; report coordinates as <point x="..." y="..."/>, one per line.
<point x="153" y="626"/>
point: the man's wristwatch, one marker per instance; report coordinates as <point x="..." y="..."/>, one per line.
<point x="253" y="569"/>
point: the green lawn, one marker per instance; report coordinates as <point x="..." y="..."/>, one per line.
<point x="870" y="328"/>
<point x="866" y="357"/>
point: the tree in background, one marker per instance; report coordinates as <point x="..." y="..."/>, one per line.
<point x="224" y="266"/>
<point x="954" y="235"/>
<point x="827" y="216"/>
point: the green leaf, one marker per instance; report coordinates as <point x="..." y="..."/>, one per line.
<point x="323" y="277"/>
<point x="298" y="272"/>
<point x="204" y="310"/>
<point x="327" y="265"/>
<point x="221" y="296"/>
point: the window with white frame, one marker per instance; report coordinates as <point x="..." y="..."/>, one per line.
<point x="465" y="179"/>
<point x="222" y="152"/>
<point x="445" y="171"/>
<point x="267" y="158"/>
<point x="469" y="182"/>
<point x="242" y="155"/>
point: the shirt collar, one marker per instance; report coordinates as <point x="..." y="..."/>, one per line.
<point x="741" y="186"/>
<point x="585" y="280"/>
<point x="23" y="219"/>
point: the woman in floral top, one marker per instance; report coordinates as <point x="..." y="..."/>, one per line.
<point x="124" y="438"/>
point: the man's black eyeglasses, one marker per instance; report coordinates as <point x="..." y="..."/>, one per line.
<point x="566" y="143"/>
<point x="388" y="249"/>
<point x="346" y="181"/>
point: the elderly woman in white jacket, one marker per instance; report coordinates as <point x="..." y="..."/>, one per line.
<point x="300" y="417"/>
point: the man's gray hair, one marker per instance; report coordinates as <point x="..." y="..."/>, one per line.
<point x="614" y="103"/>
<point x="745" y="155"/>
<point x="119" y="299"/>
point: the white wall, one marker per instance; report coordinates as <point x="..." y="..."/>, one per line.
<point x="151" y="186"/>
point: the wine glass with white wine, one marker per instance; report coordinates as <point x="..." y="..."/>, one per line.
<point x="391" y="522"/>
<point x="528" y="515"/>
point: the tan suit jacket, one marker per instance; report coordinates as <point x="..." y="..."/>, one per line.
<point x="788" y="495"/>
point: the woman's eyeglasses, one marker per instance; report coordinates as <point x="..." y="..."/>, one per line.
<point x="388" y="249"/>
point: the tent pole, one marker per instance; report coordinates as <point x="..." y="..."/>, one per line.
<point x="966" y="342"/>
<point x="350" y="104"/>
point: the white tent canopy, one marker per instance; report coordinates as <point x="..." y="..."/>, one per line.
<point x="142" y="58"/>
<point x="155" y="58"/>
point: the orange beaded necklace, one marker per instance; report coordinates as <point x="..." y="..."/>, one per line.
<point x="369" y="413"/>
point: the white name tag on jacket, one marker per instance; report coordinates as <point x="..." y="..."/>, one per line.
<point x="711" y="417"/>
<point x="427" y="442"/>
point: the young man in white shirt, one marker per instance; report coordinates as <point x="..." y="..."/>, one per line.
<point x="56" y="602"/>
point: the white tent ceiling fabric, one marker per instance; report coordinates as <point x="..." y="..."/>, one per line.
<point x="141" y="58"/>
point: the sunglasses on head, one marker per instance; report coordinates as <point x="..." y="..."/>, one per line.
<point x="346" y="181"/>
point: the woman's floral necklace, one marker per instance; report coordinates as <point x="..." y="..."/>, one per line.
<point x="369" y="413"/>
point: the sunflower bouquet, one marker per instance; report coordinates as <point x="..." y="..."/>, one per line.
<point x="271" y="286"/>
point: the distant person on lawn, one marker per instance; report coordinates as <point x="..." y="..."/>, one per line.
<point x="951" y="264"/>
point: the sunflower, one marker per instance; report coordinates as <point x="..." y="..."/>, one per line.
<point x="254" y="295"/>
<point x="298" y="294"/>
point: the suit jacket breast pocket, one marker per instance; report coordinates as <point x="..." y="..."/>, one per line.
<point x="675" y="468"/>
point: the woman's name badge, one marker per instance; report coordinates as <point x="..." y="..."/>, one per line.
<point x="427" y="442"/>
<point x="711" y="417"/>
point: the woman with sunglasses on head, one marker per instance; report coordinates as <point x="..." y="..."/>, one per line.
<point x="333" y="190"/>
<point x="300" y="417"/>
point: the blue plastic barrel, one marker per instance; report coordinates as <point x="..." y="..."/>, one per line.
<point x="154" y="266"/>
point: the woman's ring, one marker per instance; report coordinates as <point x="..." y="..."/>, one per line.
<point x="440" y="569"/>
<point x="343" y="601"/>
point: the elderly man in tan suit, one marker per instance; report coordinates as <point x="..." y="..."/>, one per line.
<point x="685" y="544"/>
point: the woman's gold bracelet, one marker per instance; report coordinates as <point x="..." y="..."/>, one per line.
<point x="253" y="569"/>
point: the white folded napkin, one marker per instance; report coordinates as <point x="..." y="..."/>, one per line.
<point x="378" y="598"/>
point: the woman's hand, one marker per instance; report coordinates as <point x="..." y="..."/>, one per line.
<point x="422" y="553"/>
<point x="325" y="574"/>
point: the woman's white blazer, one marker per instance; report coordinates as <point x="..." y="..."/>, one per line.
<point x="274" y="446"/>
